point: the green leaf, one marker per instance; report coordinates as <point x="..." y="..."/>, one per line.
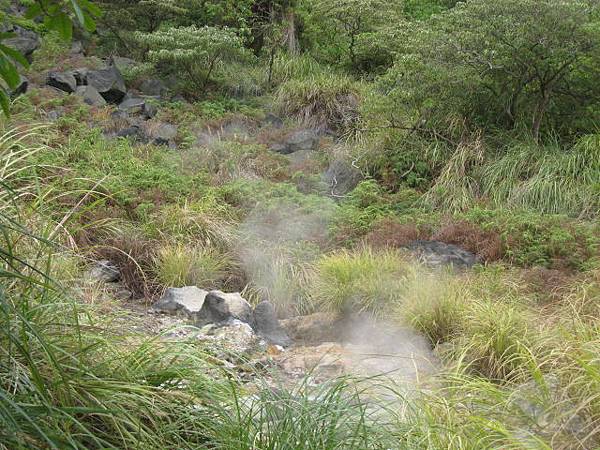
<point x="15" y="55"/>
<point x="33" y="11"/>
<point x="88" y="23"/>
<point x="62" y="24"/>
<point x="9" y="72"/>
<point x="78" y="11"/>
<point x="92" y="9"/>
<point x="4" y="102"/>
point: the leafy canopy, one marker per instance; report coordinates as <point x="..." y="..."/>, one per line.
<point x="506" y="63"/>
<point x="198" y="51"/>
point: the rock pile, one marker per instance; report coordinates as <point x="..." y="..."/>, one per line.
<point x="219" y="309"/>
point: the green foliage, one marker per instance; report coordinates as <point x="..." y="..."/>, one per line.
<point x="549" y="179"/>
<point x="58" y="16"/>
<point x="199" y="52"/>
<point x="499" y="64"/>
<point x="531" y="239"/>
<point x="346" y="31"/>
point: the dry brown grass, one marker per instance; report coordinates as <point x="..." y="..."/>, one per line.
<point x="486" y="244"/>
<point x="392" y="234"/>
<point x="134" y="256"/>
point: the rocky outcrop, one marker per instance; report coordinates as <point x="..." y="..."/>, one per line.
<point x="163" y="134"/>
<point x="132" y="105"/>
<point x="436" y="254"/>
<point x="24" y="41"/>
<point x="301" y="140"/>
<point x="187" y="301"/>
<point x="21" y="87"/>
<point x="341" y="177"/>
<point x="64" y="81"/>
<point x="138" y="105"/>
<point x="220" y="308"/>
<point x="108" y="82"/>
<point x="266" y="324"/>
<point x="153" y="87"/>
<point x="90" y="96"/>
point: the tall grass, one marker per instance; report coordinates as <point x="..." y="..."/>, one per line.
<point x="546" y="178"/>
<point x="184" y="265"/>
<point x="326" y="101"/>
<point x="549" y="179"/>
<point x="363" y="280"/>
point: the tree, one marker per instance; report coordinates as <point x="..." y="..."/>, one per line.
<point x="198" y="52"/>
<point x="345" y="25"/>
<point x="59" y="16"/>
<point x="503" y="63"/>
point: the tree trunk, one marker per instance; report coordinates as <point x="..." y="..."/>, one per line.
<point x="290" y="33"/>
<point x="538" y="116"/>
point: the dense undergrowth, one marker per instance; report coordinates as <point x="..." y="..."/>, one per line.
<point x="518" y="336"/>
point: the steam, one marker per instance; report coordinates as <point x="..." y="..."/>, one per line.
<point x="279" y="243"/>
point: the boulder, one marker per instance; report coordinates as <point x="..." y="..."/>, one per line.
<point x="163" y="134"/>
<point x="133" y="105"/>
<point x="267" y="325"/>
<point x="153" y="87"/>
<point x="221" y="308"/>
<point x="341" y="177"/>
<point x="436" y="254"/>
<point x="24" y="41"/>
<point x="81" y="75"/>
<point x="109" y="83"/>
<point x="122" y="63"/>
<point x="150" y="110"/>
<point x="64" y="81"/>
<point x="188" y="300"/>
<point x="134" y="132"/>
<point x="90" y="95"/>
<point x="306" y="140"/>
<point x="236" y="338"/>
<point x="273" y="120"/>
<point x="312" y="329"/>
<point x="105" y="271"/>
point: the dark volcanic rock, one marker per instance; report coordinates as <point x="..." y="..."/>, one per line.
<point x="220" y="308"/>
<point x="133" y="105"/>
<point x="24" y="41"/>
<point x="298" y="140"/>
<point x="90" y="96"/>
<point x="21" y="87"/>
<point x="65" y="81"/>
<point x="435" y="254"/>
<point x="81" y="75"/>
<point x="341" y="177"/>
<point x="109" y="83"/>
<point x="134" y="132"/>
<point x="164" y="134"/>
<point x="267" y="325"/>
